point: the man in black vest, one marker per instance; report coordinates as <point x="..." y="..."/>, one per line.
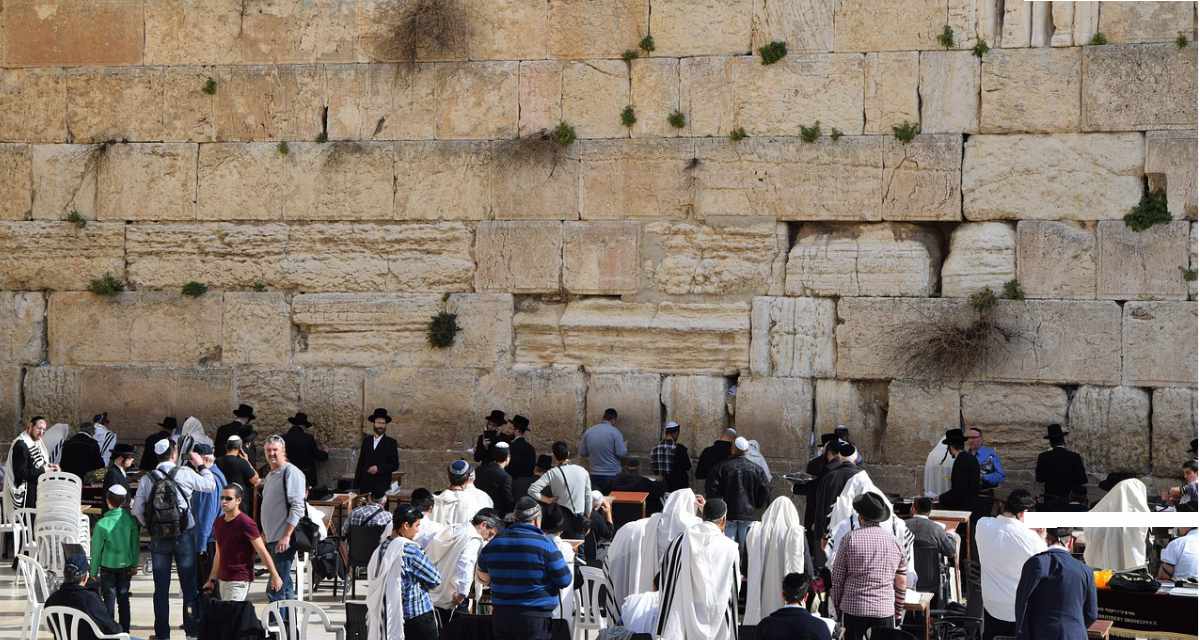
<point x="118" y="469"/>
<point x="302" y="448"/>
<point x="492" y="478"/>
<point x="1060" y="470"/>
<point x="521" y="455"/>
<point x="378" y="456"/>
<point x="240" y="427"/>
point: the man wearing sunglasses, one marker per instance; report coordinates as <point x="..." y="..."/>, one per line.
<point x="238" y="539"/>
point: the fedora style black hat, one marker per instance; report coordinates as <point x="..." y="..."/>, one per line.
<point x="955" y="436"/>
<point x="496" y="417"/>
<point x="871" y="507"/>
<point x="244" y="411"/>
<point x="300" y="419"/>
<point x="826" y="438"/>
<point x="169" y="423"/>
<point x="379" y="413"/>
<point x="521" y="423"/>
<point x="1054" y="431"/>
<point x="122" y="449"/>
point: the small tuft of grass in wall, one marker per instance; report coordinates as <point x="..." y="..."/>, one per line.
<point x="106" y="286"/>
<point x="981" y="47"/>
<point x="1098" y="39"/>
<point x="946" y="37"/>
<point x="322" y="137"/>
<point x="77" y="219"/>
<point x="835" y="133"/>
<point x="259" y="286"/>
<point x="1151" y="210"/>
<point x="1013" y="290"/>
<point x="677" y="120"/>
<point x="692" y="164"/>
<point x="442" y="329"/>
<point x="737" y="135"/>
<point x="810" y="134"/>
<point x="773" y="52"/>
<point x="1181" y="40"/>
<point x="194" y="289"/>
<point x="983" y="300"/>
<point x="647" y="44"/>
<point x="630" y="55"/>
<point x="628" y="117"/>
<point x="210" y="87"/>
<point x="282" y="148"/>
<point x="564" y="134"/>
<point x="1189" y="275"/>
<point x="906" y="131"/>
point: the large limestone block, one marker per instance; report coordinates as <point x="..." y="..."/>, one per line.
<point x="534" y="179"/>
<point x="1111" y="427"/>
<point x="271" y="32"/>
<point x="334" y="401"/>
<point x="431" y="407"/>
<point x="600" y="257"/>
<point x="10" y="401"/>
<point x="137" y="398"/>
<point x="700" y="27"/>
<point x="53" y="392"/>
<point x="922" y="178"/>
<point x="1171" y="159"/>
<point x="59" y="255"/>
<point x="386" y="29"/>
<point x="1052" y="341"/>
<point x="223" y="255"/>
<point x="275" y="396"/>
<point x="16" y="190"/>
<point x="1139" y="265"/>
<point x="860" y="406"/>
<point x="380" y="102"/>
<point x="804" y="26"/>
<point x="706" y="95"/>
<point x="1138" y="87"/>
<point x="443" y="180"/>
<point x="256" y="329"/>
<point x="698" y="404"/>
<point x="551" y="397"/>
<point x="506" y="29"/>
<point x="64" y="180"/>
<point x="593" y="95"/>
<point x="778" y="412"/>
<point x="637" y="178"/>
<point x="792" y="337"/>
<point x="1015" y="30"/>
<point x="707" y="262"/>
<point x="1056" y="259"/>
<point x="1034" y="90"/>
<point x="799" y="90"/>
<point x="1123" y="22"/>
<point x="477" y="100"/>
<point x="890" y="96"/>
<point x="1041" y="24"/>
<point x="269" y="102"/>
<point x="239" y="181"/>
<point x="1086" y="22"/>
<point x="73" y="32"/>
<point x="863" y="25"/>
<point x="22" y="327"/>
<point x="537" y="337"/>
<point x="791" y="180"/>
<point x="1014" y="417"/>
<point x="1158" y="340"/>
<point x="540" y="95"/>
<point x="1023" y="176"/>
<point x="123" y="103"/>
<point x="1173" y="422"/>
<point x="888" y="259"/>
<point x="33" y="105"/>
<point x="654" y="93"/>
<point x="143" y="327"/>
<point x="982" y="255"/>
<point x="188" y="113"/>
<point x="193" y="32"/>
<point x="580" y="29"/>
<point x="918" y="414"/>
<point x="146" y="182"/>
<point x="519" y="256"/>
<point x="1062" y="17"/>
<point x="636" y="397"/>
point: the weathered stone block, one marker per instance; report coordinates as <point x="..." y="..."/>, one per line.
<point x="540" y="95"/>
<point x="10" y="400"/>
<point x="137" y="398"/>
<point x="59" y="255"/>
<point x="1171" y="159"/>
<point x="791" y="180"/>
<point x="1062" y="18"/>
<point x="890" y="96"/>
<point x="698" y="404"/>
<point x="860" y="406"/>
<point x="595" y="28"/>
<point x="700" y="27"/>
<point x="193" y="32"/>
<point x="33" y="105"/>
<point x="1173" y="423"/>
<point x="600" y="257"/>
<point x="16" y="190"/>
<point x="54" y="392"/>
<point x="1137" y="87"/>
<point x="288" y="32"/>
<point x="1192" y="264"/>
<point x="64" y="180"/>
<point x="922" y="178"/>
<point x="477" y="100"/>
<point x="122" y="103"/>
<point x="637" y="178"/>
<point x="1014" y="417"/>
<point x="593" y="95"/>
<point x="1020" y="176"/>
<point x="134" y="328"/>
<point x="506" y="29"/>
<point x="792" y="337"/>
<point x="804" y="26"/>
<point x="918" y="414"/>
<point x="798" y="90"/>
<point x="862" y="25"/>
<point x="146" y="182"/>
<point x="636" y="397"/>
<point x="551" y="397"/>
<point x="334" y="398"/>
<point x="432" y="407"/>
<point x="70" y="32"/>
<point x="1111" y="427"/>
<point x="1030" y="90"/>
<point x="519" y="256"/>
<point x="380" y="101"/>
<point x="1087" y="21"/>
<point x="1056" y="259"/>
<point x="275" y="396"/>
<point x="188" y="113"/>
<point x="731" y="261"/>
<point x="269" y="102"/>
<point x="1041" y="23"/>
<point x="240" y="181"/>
<point x="706" y="95"/>
<point x="1158" y="341"/>
<point x="256" y="329"/>
<point x="222" y="255"/>
<point x="1015" y="31"/>
<point x="443" y="180"/>
<point x="22" y="328"/>
<point x="889" y="259"/>
<point x="1147" y="21"/>
<point x="1136" y="265"/>
<point x="535" y="179"/>
<point x="982" y="254"/>
<point x="777" y="412"/>
<point x="654" y="93"/>
<point x="538" y="340"/>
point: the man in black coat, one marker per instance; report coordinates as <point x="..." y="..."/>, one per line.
<point x="81" y="454"/>
<point x="149" y="459"/>
<point x="744" y="487"/>
<point x="715" y="454"/>
<point x="1060" y="470"/>
<point x="792" y="621"/>
<point x="492" y="479"/>
<point x="302" y="448"/>
<point x="490" y="436"/>
<point x="521" y="455"/>
<point x="118" y="469"/>
<point x="240" y="427"/>
<point x="378" y="456"/>
<point x="838" y="471"/>
<point x="74" y="594"/>
<point x="965" y="477"/>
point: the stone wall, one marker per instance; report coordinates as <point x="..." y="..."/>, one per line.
<point x="339" y="171"/>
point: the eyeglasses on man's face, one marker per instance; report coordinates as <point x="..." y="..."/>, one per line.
<point x="228" y="498"/>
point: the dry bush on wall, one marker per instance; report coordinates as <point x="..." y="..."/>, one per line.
<point x="425" y="29"/>
<point x="950" y="348"/>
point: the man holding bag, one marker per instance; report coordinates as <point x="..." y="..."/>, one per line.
<point x="281" y="510"/>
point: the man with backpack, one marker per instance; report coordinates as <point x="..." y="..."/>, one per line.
<point x="162" y="505"/>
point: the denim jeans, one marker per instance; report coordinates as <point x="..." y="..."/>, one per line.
<point x="182" y="551"/>
<point x="737" y="530"/>
<point x="283" y="564"/>
<point x="114" y="588"/>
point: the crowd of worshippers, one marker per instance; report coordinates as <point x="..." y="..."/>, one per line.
<point x="505" y="523"/>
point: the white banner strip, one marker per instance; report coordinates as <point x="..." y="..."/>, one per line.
<point x="1049" y="519"/>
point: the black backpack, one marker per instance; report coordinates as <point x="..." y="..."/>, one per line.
<point x="166" y="518"/>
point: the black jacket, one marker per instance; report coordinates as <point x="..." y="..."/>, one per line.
<point x="149" y="458"/>
<point x="81" y="455"/>
<point x="243" y="431"/>
<point x="829" y="487"/>
<point x="792" y="623"/>
<point x="816" y="469"/>
<point x="521" y="458"/>
<point x="386" y="456"/>
<point x="493" y="480"/>
<point x="115" y="475"/>
<point x="711" y="456"/>
<point x="1061" y="470"/>
<point x="742" y="484"/>
<point x="79" y="597"/>
<point x="931" y="542"/>
<point x="640" y="483"/>
<point x="1056" y="597"/>
<point x="303" y="451"/>
<point x="964" y="484"/>
<point x="230" y="620"/>
<point x="679" y="478"/>
<point x="484" y="442"/>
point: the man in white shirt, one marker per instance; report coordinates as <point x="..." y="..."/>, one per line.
<point x="454" y="552"/>
<point x="571" y="487"/>
<point x="1180" y="558"/>
<point x="1005" y="543"/>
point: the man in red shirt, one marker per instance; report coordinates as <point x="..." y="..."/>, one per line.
<point x="238" y="539"/>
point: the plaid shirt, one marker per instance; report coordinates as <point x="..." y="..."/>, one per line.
<point x="661" y="457"/>
<point x="865" y="572"/>
<point x="419" y="577"/>
<point x="369" y="514"/>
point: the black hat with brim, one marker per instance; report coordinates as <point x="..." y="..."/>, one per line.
<point x="871" y="507"/>
<point x="1054" y="431"/>
<point x="379" y="413"/>
<point x="169" y="423"/>
<point x="496" y="417"/>
<point x="122" y="449"/>
<point x="520" y="423"/>
<point x="955" y="437"/>
<point x="300" y="419"/>
<point x="244" y="411"/>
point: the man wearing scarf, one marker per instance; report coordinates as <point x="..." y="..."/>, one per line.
<point x="638" y="547"/>
<point x="775" y="547"/>
<point x="844" y="519"/>
<point x="461" y="500"/>
<point x="28" y="459"/>
<point x="700" y="576"/>
<point x="398" y="604"/>
<point x="1118" y="548"/>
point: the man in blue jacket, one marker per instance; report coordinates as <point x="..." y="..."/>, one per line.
<point x="990" y="470"/>
<point x="1056" y="597"/>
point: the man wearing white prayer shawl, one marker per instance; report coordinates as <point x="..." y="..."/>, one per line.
<point x="191" y="434"/>
<point x="53" y="441"/>
<point x="638" y="547"/>
<point x="700" y="577"/>
<point x="844" y="519"/>
<point x="774" y="548"/>
<point x="105" y="437"/>
<point x="455" y="551"/>
<point x="461" y="500"/>
<point x="938" y="465"/>
<point x="385" y="615"/>
<point x="398" y="606"/>
<point x="27" y="460"/>
<point x="1118" y="548"/>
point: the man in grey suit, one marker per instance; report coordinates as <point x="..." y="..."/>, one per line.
<point x="931" y="542"/>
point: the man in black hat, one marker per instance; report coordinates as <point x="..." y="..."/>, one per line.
<point x="838" y="470"/>
<point x="870" y="572"/>
<point x="521" y="455"/>
<point x="118" y="470"/>
<point x="378" y="456"/>
<point x="1060" y="470"/>
<point x="490" y="436"/>
<point x="81" y="453"/>
<point x="240" y="427"/>
<point x="964" y="475"/>
<point x="303" y="450"/>
<point x="150" y="459"/>
<point x="492" y="478"/>
<point x="75" y="594"/>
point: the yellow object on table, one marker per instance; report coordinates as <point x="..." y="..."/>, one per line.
<point x="1102" y="577"/>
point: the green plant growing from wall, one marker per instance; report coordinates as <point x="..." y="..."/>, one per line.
<point x="773" y="52"/>
<point x="106" y="286"/>
<point x="677" y="120"/>
<point x="628" y="117"/>
<point x="259" y="286"/>
<point x="282" y="148"/>
<point x="1181" y="40"/>
<point x="210" y="87"/>
<point x="77" y="219"/>
<point x="442" y="329"/>
<point x="906" y="131"/>
<point x="1098" y="39"/>
<point x="647" y="44"/>
<point x="835" y="133"/>
<point x="1189" y="275"/>
<point x="946" y="37"/>
<point x="194" y="289"/>
<point x="1151" y="210"/>
<point x="981" y="47"/>
<point x="630" y="55"/>
<point x="1013" y="290"/>
<point x="983" y="300"/>
<point x="564" y="134"/>
<point x="322" y="137"/>
<point x="737" y="135"/>
<point x="810" y="134"/>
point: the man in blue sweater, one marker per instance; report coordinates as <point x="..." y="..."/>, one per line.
<point x="526" y="571"/>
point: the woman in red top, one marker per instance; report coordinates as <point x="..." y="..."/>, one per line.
<point x="238" y="539"/>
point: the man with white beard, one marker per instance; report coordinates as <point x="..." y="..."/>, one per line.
<point x="454" y="552"/>
<point x="700" y="577"/>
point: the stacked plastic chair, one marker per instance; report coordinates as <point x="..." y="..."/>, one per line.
<point x="60" y="519"/>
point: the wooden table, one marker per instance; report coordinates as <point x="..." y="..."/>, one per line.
<point x="952" y="519"/>
<point x="336" y="509"/>
<point x="921" y="606"/>
<point x="627" y="506"/>
<point x="1099" y="630"/>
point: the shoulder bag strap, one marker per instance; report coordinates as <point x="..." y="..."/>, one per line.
<point x="566" y="484"/>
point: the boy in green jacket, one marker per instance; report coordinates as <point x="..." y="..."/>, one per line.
<point x="115" y="549"/>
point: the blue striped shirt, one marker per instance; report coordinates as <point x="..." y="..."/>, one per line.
<point x="526" y="568"/>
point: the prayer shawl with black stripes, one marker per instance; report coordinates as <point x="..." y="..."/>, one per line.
<point x="699" y="579"/>
<point x="385" y="610"/>
<point x="106" y="439"/>
<point x="17" y="472"/>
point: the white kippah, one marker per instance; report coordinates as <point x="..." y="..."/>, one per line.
<point x="501" y="445"/>
<point x="742" y="444"/>
<point x="161" y="446"/>
<point x="118" y="490"/>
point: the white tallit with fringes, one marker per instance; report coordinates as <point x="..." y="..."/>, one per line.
<point x="774" y="548"/>
<point x="938" y="465"/>
<point x="678" y="515"/>
<point x="385" y="599"/>
<point x="1124" y="548"/>
<point x="699" y="579"/>
<point x="623" y="563"/>
<point x="191" y="434"/>
<point x="53" y="441"/>
<point x="844" y="520"/>
<point x="14" y="494"/>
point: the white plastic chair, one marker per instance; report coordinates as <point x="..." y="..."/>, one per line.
<point x="59" y="476"/>
<point x="50" y="540"/>
<point x="24" y="518"/>
<point x="588" y="616"/>
<point x="303" y="567"/>
<point x="36" y="591"/>
<point x="294" y="618"/>
<point x="64" y="623"/>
